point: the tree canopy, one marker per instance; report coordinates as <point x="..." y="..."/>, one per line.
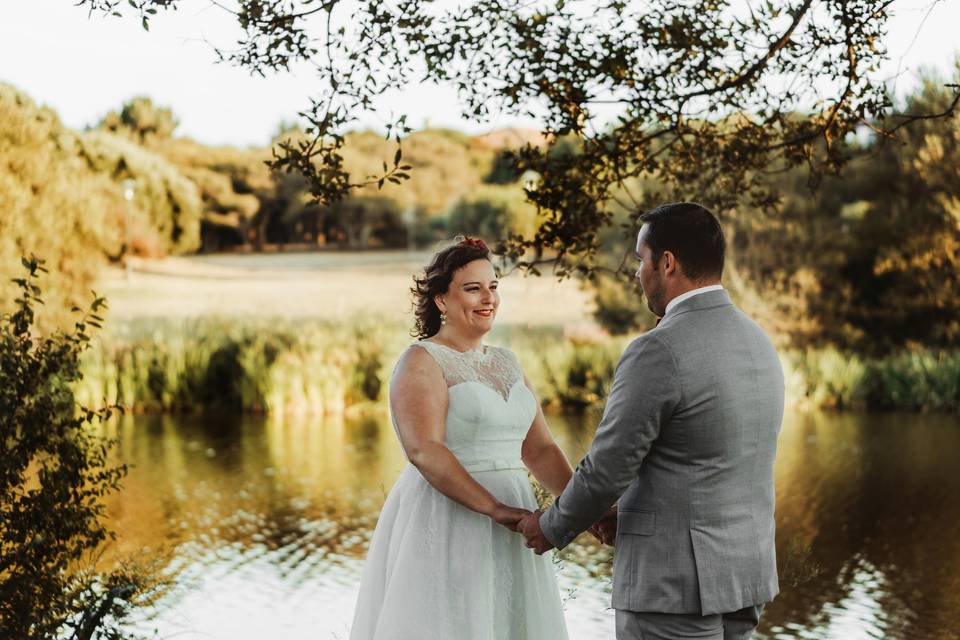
<point x="712" y="98"/>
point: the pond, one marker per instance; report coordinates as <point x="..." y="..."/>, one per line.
<point x="263" y="523"/>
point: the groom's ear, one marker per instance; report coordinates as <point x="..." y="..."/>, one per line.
<point x="669" y="263"/>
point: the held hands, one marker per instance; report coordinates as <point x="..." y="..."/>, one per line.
<point x="509" y="517"/>
<point x="528" y="524"/>
<point x="605" y="529"/>
<point x="530" y="528"/>
<point x="525" y="522"/>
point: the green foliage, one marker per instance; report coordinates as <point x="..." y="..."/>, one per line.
<point x="240" y="366"/>
<point x="579" y="375"/>
<point x="916" y="380"/>
<point x="51" y="204"/>
<point x="239" y="194"/>
<point x="324" y="366"/>
<point x="445" y="166"/>
<point x="504" y="170"/>
<point x="61" y="196"/>
<point x="870" y="262"/>
<point x="364" y="221"/>
<point x="141" y="119"/>
<point x="676" y="91"/>
<point x="478" y="217"/>
<point x="620" y="306"/>
<point x="166" y="208"/>
<point x="867" y="263"/>
<point x="54" y="473"/>
<point x="489" y="212"/>
<point x="920" y="380"/>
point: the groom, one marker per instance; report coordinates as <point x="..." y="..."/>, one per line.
<point x="685" y="448"/>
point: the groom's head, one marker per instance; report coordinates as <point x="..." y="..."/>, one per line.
<point x="680" y="247"/>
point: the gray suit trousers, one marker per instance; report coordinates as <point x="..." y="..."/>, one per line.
<point x="642" y="625"/>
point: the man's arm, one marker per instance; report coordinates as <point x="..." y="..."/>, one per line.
<point x="645" y="392"/>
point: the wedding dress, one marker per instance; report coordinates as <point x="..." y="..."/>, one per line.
<point x="439" y="571"/>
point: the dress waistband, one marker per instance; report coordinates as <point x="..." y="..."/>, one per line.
<point x="500" y="464"/>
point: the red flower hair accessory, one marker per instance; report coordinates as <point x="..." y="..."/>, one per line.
<point x="473" y="242"/>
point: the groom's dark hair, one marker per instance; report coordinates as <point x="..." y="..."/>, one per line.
<point x="691" y="233"/>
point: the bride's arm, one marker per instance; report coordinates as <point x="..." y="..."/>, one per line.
<point x="542" y="455"/>
<point x="418" y="400"/>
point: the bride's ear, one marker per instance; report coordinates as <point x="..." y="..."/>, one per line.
<point x="438" y="301"/>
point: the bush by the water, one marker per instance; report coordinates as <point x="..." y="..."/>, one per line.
<point x="54" y="474"/>
<point x="918" y="380"/>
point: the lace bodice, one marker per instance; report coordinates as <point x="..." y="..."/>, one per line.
<point x="494" y="367"/>
<point x="490" y="408"/>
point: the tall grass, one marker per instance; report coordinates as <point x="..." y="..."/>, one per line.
<point x="325" y="366"/>
<point x="254" y="366"/>
<point x="919" y="380"/>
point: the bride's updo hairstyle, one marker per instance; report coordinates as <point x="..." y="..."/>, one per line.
<point x="436" y="281"/>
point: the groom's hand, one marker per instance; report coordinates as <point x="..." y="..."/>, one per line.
<point x="605" y="529"/>
<point x="530" y="528"/>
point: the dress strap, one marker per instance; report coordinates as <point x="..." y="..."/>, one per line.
<point x="443" y="356"/>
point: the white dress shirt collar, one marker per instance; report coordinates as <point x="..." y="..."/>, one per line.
<point x="689" y="294"/>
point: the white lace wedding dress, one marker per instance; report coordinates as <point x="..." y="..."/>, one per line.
<point x="439" y="571"/>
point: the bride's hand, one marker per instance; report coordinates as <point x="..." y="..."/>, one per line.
<point x="509" y="517"/>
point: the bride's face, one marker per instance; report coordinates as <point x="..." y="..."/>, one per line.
<point x="472" y="299"/>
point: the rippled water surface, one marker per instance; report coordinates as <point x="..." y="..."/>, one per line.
<point x="265" y="524"/>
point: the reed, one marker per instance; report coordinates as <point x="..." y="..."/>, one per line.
<point x="916" y="380"/>
<point x="253" y="366"/>
<point x="326" y="366"/>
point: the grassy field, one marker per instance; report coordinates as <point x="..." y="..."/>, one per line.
<point x="325" y="286"/>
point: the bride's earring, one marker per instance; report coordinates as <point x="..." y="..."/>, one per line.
<point x="443" y="319"/>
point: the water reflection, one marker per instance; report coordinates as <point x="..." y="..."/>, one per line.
<point x="875" y="501"/>
<point x="266" y="523"/>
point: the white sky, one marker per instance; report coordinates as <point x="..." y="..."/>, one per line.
<point x="85" y="66"/>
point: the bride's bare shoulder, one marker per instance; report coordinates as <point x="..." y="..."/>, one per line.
<point x="416" y="361"/>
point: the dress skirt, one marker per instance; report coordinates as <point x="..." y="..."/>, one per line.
<point x="439" y="571"/>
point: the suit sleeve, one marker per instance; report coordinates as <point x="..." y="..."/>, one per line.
<point x="645" y="392"/>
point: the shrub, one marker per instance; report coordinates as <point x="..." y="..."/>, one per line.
<point x="620" y="308"/>
<point x="53" y="475"/>
<point x="479" y="217"/>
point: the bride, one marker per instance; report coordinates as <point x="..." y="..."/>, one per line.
<point x="445" y="561"/>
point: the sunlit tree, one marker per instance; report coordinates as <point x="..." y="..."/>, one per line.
<point x="712" y="98"/>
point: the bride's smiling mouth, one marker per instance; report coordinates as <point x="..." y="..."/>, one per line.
<point x="485" y="313"/>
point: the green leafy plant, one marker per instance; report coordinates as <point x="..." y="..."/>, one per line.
<point x="54" y="473"/>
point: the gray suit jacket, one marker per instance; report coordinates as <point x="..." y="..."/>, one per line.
<point x="686" y="443"/>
